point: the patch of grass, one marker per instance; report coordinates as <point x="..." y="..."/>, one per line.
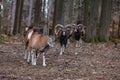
<point x="1" y="41"/>
<point x="115" y="40"/>
<point x="92" y="40"/>
<point x="16" y="37"/>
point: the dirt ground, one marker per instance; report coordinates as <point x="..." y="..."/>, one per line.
<point x="100" y="61"/>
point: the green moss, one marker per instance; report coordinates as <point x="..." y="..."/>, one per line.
<point x="95" y="40"/>
<point x="1" y="41"/>
<point x="115" y="40"/>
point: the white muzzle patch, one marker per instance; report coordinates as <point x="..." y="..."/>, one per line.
<point x="64" y="33"/>
<point x="75" y="30"/>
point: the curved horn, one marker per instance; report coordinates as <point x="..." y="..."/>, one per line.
<point x="82" y="28"/>
<point x="73" y="25"/>
<point x="68" y="25"/>
<point x="58" y="27"/>
<point x="81" y="25"/>
<point x="69" y="28"/>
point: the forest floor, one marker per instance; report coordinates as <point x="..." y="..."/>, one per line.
<point x="94" y="61"/>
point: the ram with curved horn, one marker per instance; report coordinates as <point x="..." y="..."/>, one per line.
<point x="69" y="29"/>
<point x="63" y="33"/>
<point x="78" y="31"/>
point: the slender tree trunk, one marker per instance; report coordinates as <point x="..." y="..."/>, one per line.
<point x="58" y="12"/>
<point x="119" y="28"/>
<point x="13" y="16"/>
<point x="105" y="19"/>
<point x="38" y="6"/>
<point x="30" y="13"/>
<point x="86" y="13"/>
<point x="54" y="15"/>
<point x="51" y="4"/>
<point x="18" y="14"/>
<point x="15" y="31"/>
<point x="0" y="17"/>
<point x="45" y="17"/>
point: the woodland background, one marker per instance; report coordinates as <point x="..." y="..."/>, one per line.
<point x="97" y="60"/>
<point x="101" y="17"/>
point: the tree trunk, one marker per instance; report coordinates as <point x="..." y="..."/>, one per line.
<point x="18" y="14"/>
<point x="80" y="11"/>
<point x="86" y="13"/>
<point x="91" y="35"/>
<point x="30" y="13"/>
<point x="37" y="17"/>
<point x="51" y="4"/>
<point x="86" y="17"/>
<point x="105" y="18"/>
<point x="13" y="16"/>
<point x="119" y="28"/>
<point x="0" y="17"/>
<point x="45" y="18"/>
<point x="67" y="12"/>
<point x="58" y="12"/>
<point x="75" y="11"/>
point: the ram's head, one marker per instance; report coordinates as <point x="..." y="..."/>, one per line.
<point x="62" y="30"/>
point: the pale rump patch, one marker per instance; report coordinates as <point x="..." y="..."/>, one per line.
<point x="30" y="34"/>
<point x="26" y="29"/>
<point x="35" y="40"/>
